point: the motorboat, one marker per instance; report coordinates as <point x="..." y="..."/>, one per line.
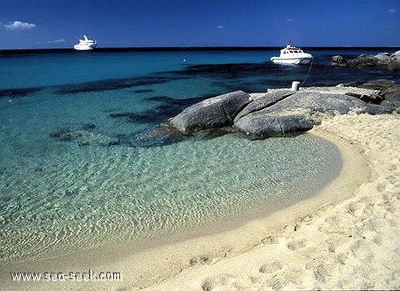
<point x="85" y="44"/>
<point x="291" y="55"/>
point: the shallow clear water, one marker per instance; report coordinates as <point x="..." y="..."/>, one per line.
<point x="59" y="196"/>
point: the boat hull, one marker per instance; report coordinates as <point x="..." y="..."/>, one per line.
<point x="83" y="48"/>
<point x="291" y="61"/>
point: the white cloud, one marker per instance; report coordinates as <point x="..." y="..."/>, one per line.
<point x="220" y="27"/>
<point x="392" y="10"/>
<point x="61" y="40"/>
<point x="18" y="25"/>
<point x="289" y="19"/>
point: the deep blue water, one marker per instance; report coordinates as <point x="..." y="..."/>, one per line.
<point x="85" y="191"/>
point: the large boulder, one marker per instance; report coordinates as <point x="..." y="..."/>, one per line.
<point x="265" y="125"/>
<point x="313" y="102"/>
<point x="300" y="112"/>
<point x="215" y="112"/>
<point x="279" y="111"/>
<point x="264" y="101"/>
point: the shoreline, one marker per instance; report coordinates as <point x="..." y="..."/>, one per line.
<point x="174" y="264"/>
<point x="353" y="244"/>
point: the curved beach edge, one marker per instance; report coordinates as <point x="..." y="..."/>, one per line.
<point x="346" y="237"/>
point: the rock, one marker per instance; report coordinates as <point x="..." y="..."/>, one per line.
<point x="394" y="66"/>
<point x="215" y="112"/>
<point x="380" y="84"/>
<point x="281" y="111"/>
<point x="390" y="92"/>
<point x="316" y="102"/>
<point x="374" y="109"/>
<point x="300" y="112"/>
<point x="363" y="61"/>
<point x="338" y="61"/>
<point x="264" y="101"/>
<point x="159" y="135"/>
<point x="387" y="61"/>
<point x="268" y="125"/>
<point x="85" y="137"/>
<point x="365" y="94"/>
<point x="383" y="59"/>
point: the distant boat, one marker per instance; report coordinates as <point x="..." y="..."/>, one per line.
<point x="293" y="56"/>
<point x="85" y="44"/>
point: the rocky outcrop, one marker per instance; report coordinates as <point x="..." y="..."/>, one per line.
<point x="299" y="112"/>
<point x="390" y="62"/>
<point x="263" y="101"/>
<point x="265" y="125"/>
<point x="278" y="111"/>
<point x="211" y="113"/>
<point x="390" y="92"/>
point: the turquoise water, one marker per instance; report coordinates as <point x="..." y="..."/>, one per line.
<point x="60" y="195"/>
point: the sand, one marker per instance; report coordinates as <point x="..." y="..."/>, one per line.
<point x="347" y="237"/>
<point x="354" y="244"/>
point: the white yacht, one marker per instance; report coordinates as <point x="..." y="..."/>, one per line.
<point x="85" y="44"/>
<point x="293" y="56"/>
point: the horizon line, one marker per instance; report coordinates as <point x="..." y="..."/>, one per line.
<point x="183" y="48"/>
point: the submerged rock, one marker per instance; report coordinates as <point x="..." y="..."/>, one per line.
<point x="214" y="112"/>
<point x="159" y="135"/>
<point x="19" y="92"/>
<point x="85" y="137"/>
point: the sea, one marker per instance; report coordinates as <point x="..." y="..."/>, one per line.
<point x="79" y="169"/>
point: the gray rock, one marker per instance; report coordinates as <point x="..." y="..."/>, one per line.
<point x="374" y="109"/>
<point x="281" y="111"/>
<point x="364" y="61"/>
<point x="313" y="102"/>
<point x="338" y="61"/>
<point x="215" y="112"/>
<point x="269" y="125"/>
<point x="368" y="95"/>
<point x="85" y="137"/>
<point x="394" y="66"/>
<point x="264" y="101"/>
<point x="389" y="90"/>
<point x="300" y="112"/>
<point x="383" y="58"/>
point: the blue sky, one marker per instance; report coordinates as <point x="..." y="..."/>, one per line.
<point x="152" y="23"/>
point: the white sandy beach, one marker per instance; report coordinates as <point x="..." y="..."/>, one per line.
<point x="354" y="244"/>
<point x="347" y="237"/>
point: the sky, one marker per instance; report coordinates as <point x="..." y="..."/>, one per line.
<point x="29" y="24"/>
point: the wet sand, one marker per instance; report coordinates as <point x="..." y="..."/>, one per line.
<point x="346" y="237"/>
